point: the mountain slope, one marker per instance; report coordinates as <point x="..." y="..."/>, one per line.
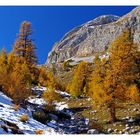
<point x="94" y="36"/>
<point x="9" y="117"/>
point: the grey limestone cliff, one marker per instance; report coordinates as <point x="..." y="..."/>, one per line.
<point x="94" y="36"/>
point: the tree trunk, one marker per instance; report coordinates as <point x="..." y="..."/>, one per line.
<point x="112" y="113"/>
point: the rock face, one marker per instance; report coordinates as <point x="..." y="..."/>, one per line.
<point x="94" y="36"/>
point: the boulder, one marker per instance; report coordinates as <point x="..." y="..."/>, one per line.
<point x="93" y="131"/>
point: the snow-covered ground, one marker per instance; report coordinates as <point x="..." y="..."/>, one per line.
<point x="37" y="101"/>
<point x="8" y="113"/>
<point x="61" y="105"/>
<point x="76" y="60"/>
<point x="39" y="88"/>
<point x="4" y="99"/>
<point x="60" y="122"/>
<point x="42" y="89"/>
<point x="89" y="59"/>
<point x="63" y="94"/>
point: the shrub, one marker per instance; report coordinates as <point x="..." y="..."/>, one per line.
<point x="15" y="82"/>
<point x="17" y="90"/>
<point x="50" y="96"/>
<point x="49" y="108"/>
<point x="79" y="80"/>
<point x="40" y="116"/>
<point x="133" y="93"/>
<point x="47" y="78"/>
<point x="97" y="126"/>
<point x="24" y="118"/>
<point x="66" y="65"/>
<point x="39" y="132"/>
<point x="16" y="107"/>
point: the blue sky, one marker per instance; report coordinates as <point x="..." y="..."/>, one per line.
<point x="49" y="23"/>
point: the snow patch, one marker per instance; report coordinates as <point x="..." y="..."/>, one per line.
<point x="60" y="105"/>
<point x="89" y="59"/>
<point x="39" y="88"/>
<point x="8" y="113"/>
<point x="4" y="99"/>
<point x="37" y="101"/>
<point x="64" y="94"/>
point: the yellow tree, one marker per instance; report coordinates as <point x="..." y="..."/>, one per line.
<point x="133" y="93"/>
<point x="78" y="84"/>
<point x="3" y="69"/>
<point x="11" y="61"/>
<point x="47" y="78"/>
<point x="3" y="57"/>
<point x="96" y="86"/>
<point x="17" y="87"/>
<point x="24" y="47"/>
<point x="23" y="71"/>
<point x="121" y="71"/>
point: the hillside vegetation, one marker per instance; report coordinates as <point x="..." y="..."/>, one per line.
<point x="106" y="91"/>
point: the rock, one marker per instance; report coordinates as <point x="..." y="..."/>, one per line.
<point x="130" y="120"/>
<point x="94" y="119"/>
<point x="40" y="116"/>
<point x="126" y="132"/>
<point x="81" y="104"/>
<point x="4" y="127"/>
<point x="92" y="131"/>
<point x="52" y="116"/>
<point x="82" y="129"/>
<point x="127" y="128"/>
<point x="127" y="117"/>
<point x="53" y="121"/>
<point x="120" y="132"/>
<point x="10" y="127"/>
<point x="94" y="111"/>
<point x="88" y="99"/>
<point x="1" y="105"/>
<point x="86" y="121"/>
<point x="105" y="120"/>
<point x="135" y="109"/>
<point x="126" y="125"/>
<point x="134" y="131"/>
<point x="94" y="36"/>
<point x="109" y="130"/>
<point x="61" y="124"/>
<point x="114" y="124"/>
<point x="116" y="130"/>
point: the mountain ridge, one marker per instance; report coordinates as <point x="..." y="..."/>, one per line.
<point x="94" y="36"/>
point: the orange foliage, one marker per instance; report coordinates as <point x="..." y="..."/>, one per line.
<point x="24" y="48"/>
<point x="78" y="84"/>
<point x="50" y="96"/>
<point x="110" y="81"/>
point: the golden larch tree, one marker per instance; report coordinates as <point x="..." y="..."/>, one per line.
<point x="24" y="47"/>
<point x="77" y="86"/>
<point x="121" y="71"/>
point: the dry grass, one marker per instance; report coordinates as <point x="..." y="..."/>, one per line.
<point x="101" y="115"/>
<point x="24" y="118"/>
<point x="16" y="107"/>
<point x="39" y="132"/>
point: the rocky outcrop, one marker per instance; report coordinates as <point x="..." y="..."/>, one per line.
<point x="94" y="36"/>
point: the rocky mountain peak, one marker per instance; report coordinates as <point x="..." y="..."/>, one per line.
<point x="104" y="19"/>
<point x="94" y="36"/>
